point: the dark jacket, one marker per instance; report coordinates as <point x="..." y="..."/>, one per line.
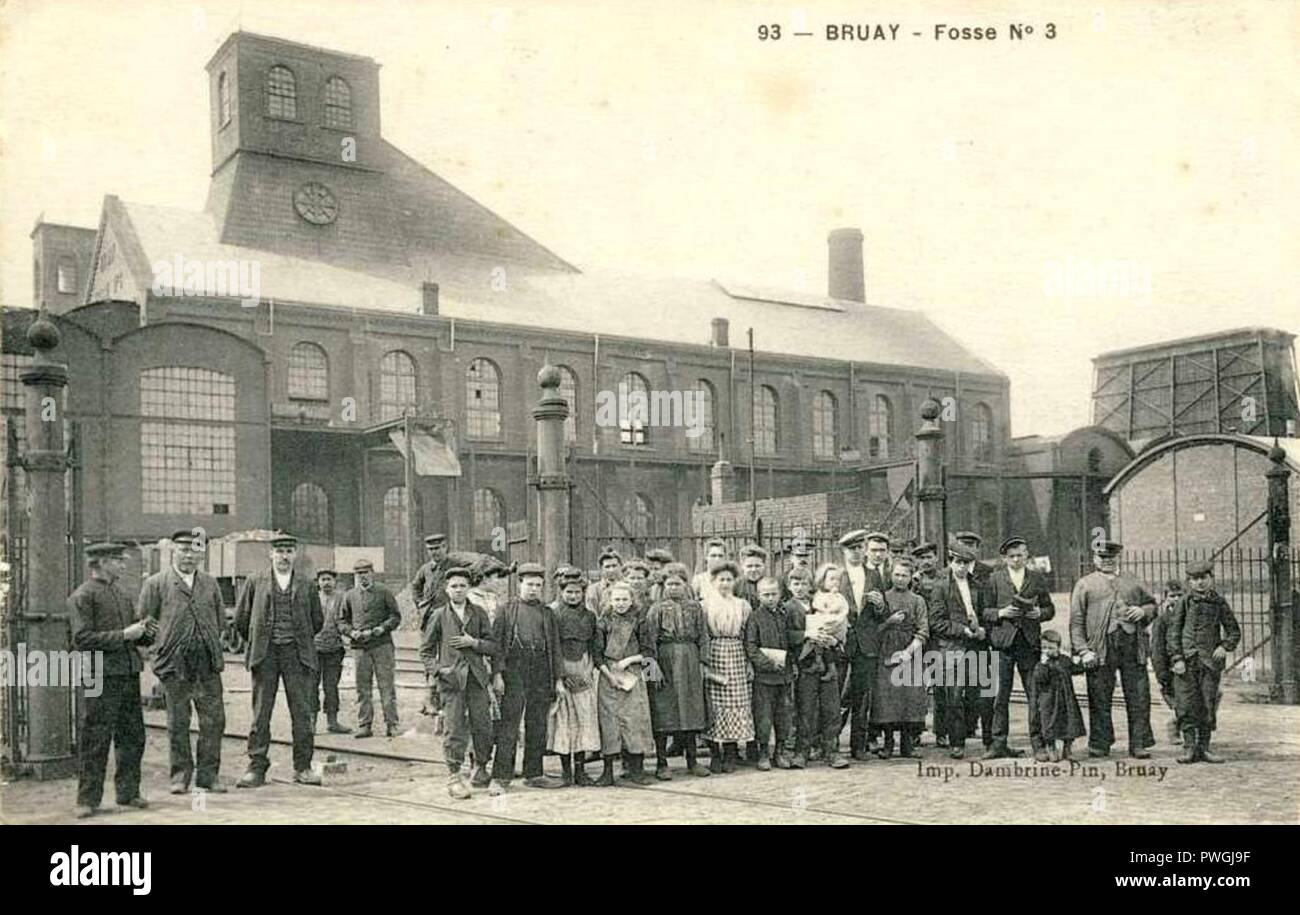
<point x="864" y="639"/>
<point x="437" y="654"/>
<point x="1198" y="624"/>
<point x="1002" y="593"/>
<point x="165" y="597"/>
<point x="375" y="608"/>
<point x="99" y="612"/>
<point x="782" y="629"/>
<point x="329" y="638"/>
<point x="427" y="586"/>
<point x="253" y="617"/>
<point x="1160" y="663"/>
<point x="503" y="634"/>
<point x="948" y="620"/>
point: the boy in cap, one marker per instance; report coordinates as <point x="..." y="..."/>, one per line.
<point x="528" y="673"/>
<point x="1160" y="664"/>
<point x="773" y="634"/>
<point x="956" y="606"/>
<point x="455" y="647"/>
<point x="1202" y="630"/>
<point x="103" y="620"/>
<point x="367" y="620"/>
<point x="186" y="604"/>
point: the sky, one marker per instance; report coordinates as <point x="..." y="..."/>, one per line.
<point x="1130" y="180"/>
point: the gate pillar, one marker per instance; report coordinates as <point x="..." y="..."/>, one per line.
<point x="1281" y="592"/>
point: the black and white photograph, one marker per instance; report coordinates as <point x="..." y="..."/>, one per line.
<point x="650" y="413"/>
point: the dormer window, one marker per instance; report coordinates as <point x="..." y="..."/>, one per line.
<point x="338" y="103"/>
<point x="66" y="276"/>
<point x="223" y="99"/>
<point x="281" y="94"/>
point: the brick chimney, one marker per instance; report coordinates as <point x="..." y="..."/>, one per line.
<point x="721" y="332"/>
<point x="845" y="278"/>
<point x="429" y="305"/>
<point x="722" y="483"/>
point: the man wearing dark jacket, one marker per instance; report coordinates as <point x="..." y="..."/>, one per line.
<point x="1202" y="630"/>
<point x="1019" y="603"/>
<point x="103" y="620"/>
<point x="863" y="584"/>
<point x="367" y="619"/>
<point x="956" y="607"/>
<point x="329" y="652"/>
<point x="279" y="614"/>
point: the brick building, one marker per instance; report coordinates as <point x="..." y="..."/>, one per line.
<point x="381" y="290"/>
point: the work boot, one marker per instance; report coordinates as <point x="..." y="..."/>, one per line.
<point x="212" y="787"/>
<point x="836" y="760"/>
<point x="1189" y="754"/>
<point x="334" y="726"/>
<point x="137" y="802"/>
<point x="251" y="778"/>
<point x="907" y="748"/>
<point x="997" y="750"/>
<point x="800" y="760"/>
<point x="180" y="784"/>
<point x="544" y="781"/>
<point x="1203" y="751"/>
<point x="496" y="788"/>
<point x="1041" y="754"/>
<point x="307" y="777"/>
<point x="580" y="777"/>
<point x="1139" y="753"/>
<point x="458" y="788"/>
<point x="662" y="772"/>
<point x="715" y="764"/>
<point x="730" y="758"/>
<point x="638" y="775"/>
<point x="391" y="729"/>
<point x="83" y="811"/>
<point x="958" y="749"/>
<point x="782" y="761"/>
<point x="764" y="764"/>
<point x="482" y="777"/>
<point x="363" y="731"/>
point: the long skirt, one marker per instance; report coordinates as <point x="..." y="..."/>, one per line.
<point x="892" y="704"/>
<point x="573" y="725"/>
<point x="624" y="718"/>
<point x="677" y="704"/>
<point x="731" y="704"/>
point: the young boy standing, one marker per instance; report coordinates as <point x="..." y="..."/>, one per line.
<point x="772" y="634"/>
<point x="1202" y="630"/>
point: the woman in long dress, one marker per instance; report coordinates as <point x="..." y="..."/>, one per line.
<point x="903" y="628"/>
<point x="728" y="681"/>
<point x="678" y="637"/>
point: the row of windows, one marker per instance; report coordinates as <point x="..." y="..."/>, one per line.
<point x="282" y="98"/>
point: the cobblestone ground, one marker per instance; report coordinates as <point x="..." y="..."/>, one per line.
<point x="1259" y="784"/>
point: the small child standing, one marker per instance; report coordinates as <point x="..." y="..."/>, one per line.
<point x="1202" y="631"/>
<point x="771" y="633"/>
<point x="830" y="616"/>
<point x="1160" y="665"/>
<point x="1059" y="715"/>
<point x="621" y="698"/>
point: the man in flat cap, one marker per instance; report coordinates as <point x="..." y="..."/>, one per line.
<point x="1020" y="601"/>
<point x="1202" y="631"/>
<point x="528" y="673"/>
<point x="329" y="652"/>
<point x="971" y="540"/>
<point x="427" y="592"/>
<point x="956" y="609"/>
<point x="103" y="620"/>
<point x="1109" y="615"/>
<point x="864" y="583"/>
<point x="279" y="613"/>
<point x="367" y="620"/>
<point x="186" y="604"/>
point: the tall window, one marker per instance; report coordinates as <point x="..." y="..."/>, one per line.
<point x="13" y="396"/>
<point x="223" y="99"/>
<point x="396" y="384"/>
<point x="879" y="420"/>
<point x="309" y="372"/>
<point x="187" y="441"/>
<point x="765" y="421"/>
<point x="633" y="409"/>
<point x="981" y="433"/>
<point x="281" y="93"/>
<point x="703" y="419"/>
<point x="483" y="400"/>
<point x="66" y="275"/>
<point x="311" y="513"/>
<point x="338" y="102"/>
<point x="823" y="426"/>
<point x="489" y="519"/>
<point x="396" y="529"/>
<point x="639" y="515"/>
<point x="569" y="391"/>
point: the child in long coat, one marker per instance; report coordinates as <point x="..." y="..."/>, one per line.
<point x="621" y="695"/>
<point x="1059" y="715"/>
<point x="677" y="634"/>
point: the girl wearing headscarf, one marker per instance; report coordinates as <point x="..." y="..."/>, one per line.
<point x="678" y="636"/>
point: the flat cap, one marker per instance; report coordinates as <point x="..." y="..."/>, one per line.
<point x="922" y="549"/>
<point x="284" y="539"/>
<point x="1108" y="548"/>
<point x="458" y="572"/>
<point x="184" y="536"/>
<point x="968" y="535"/>
<point x="331" y="572"/>
<point x="752" y="549"/>
<point x="363" y="565"/>
<point x="1011" y="543"/>
<point x="1200" y="569"/>
<point x="1051" y="635"/>
<point x="435" y="539"/>
<point x="853" y="538"/>
<point x="526" y="569"/>
<point x="658" y="555"/>
<point x="962" y="552"/>
<point x="880" y="536"/>
<point x="105" y="549"/>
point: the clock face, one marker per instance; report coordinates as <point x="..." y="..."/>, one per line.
<point x="315" y="203"/>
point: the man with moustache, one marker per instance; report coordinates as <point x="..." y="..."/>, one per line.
<point x="279" y="614"/>
<point x="367" y="619"/>
<point x="103" y="620"/>
<point x="329" y="652"/>
<point x="863" y="584"/>
<point x="186" y="604"/>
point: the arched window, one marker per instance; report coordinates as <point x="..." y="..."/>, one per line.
<point x="396" y="384"/>
<point x="879" y="422"/>
<point x="311" y="513"/>
<point x="699" y="416"/>
<point x="823" y="426"/>
<point x="396" y="529"/>
<point x="766" y="414"/>
<point x="223" y="99"/>
<point x="569" y="391"/>
<point x="309" y="372"/>
<point x="981" y="433"/>
<point x="66" y="275"/>
<point x="633" y="409"/>
<point x="482" y="400"/>
<point x="187" y="441"/>
<point x="489" y="520"/>
<point x="338" y="103"/>
<point x="639" y="515"/>
<point x="281" y="93"/>
<point x="1094" y="460"/>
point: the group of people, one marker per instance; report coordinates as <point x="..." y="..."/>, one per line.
<point x="754" y="665"/>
